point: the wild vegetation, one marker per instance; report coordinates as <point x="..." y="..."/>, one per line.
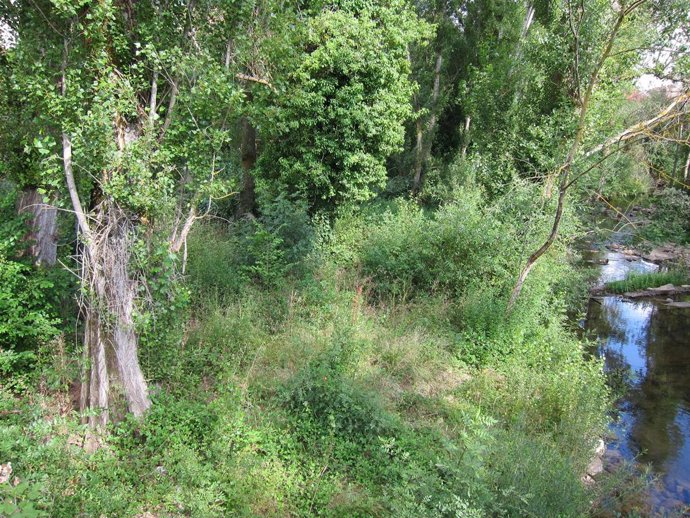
<point x="641" y="281"/>
<point x="262" y="258"/>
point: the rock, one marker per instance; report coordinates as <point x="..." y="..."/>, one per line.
<point x="600" y="449"/>
<point x="595" y="467"/>
<point x="668" y="289"/>
<point x="5" y="472"/>
<point x="613" y="457"/>
<point x="659" y="255"/>
<point x="663" y="289"/>
<point x="680" y="305"/>
<point x="587" y="480"/>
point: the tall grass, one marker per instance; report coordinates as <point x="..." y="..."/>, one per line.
<point x="642" y="281"/>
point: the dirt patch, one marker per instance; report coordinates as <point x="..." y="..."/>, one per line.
<point x="443" y="382"/>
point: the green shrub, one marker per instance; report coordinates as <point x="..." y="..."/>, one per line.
<point x="323" y="393"/>
<point x="533" y="477"/>
<point x="215" y="258"/>
<point x="671" y="217"/>
<point x="26" y="317"/>
<point x="409" y="253"/>
<point x="547" y="388"/>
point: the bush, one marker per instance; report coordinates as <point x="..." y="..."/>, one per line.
<point x="323" y="392"/>
<point x="410" y="253"/>
<point x="671" y="218"/>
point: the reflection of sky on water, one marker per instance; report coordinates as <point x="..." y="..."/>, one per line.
<point x="652" y="344"/>
<point x="618" y="267"/>
<point x="681" y="470"/>
<point x="628" y="333"/>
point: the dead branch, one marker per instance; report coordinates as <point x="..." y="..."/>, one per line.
<point x="245" y="77"/>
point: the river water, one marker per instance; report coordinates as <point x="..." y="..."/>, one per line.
<point x="646" y="344"/>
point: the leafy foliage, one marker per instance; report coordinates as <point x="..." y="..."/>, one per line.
<point x="671" y="217"/>
<point x="350" y="87"/>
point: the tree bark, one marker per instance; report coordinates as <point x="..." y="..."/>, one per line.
<point x="247" y="196"/>
<point x="42" y="226"/>
<point x="423" y="151"/>
<point x="418" y="161"/>
<point x="466" y="136"/>
<point x="110" y="333"/>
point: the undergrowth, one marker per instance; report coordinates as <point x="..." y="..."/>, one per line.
<point x="363" y="383"/>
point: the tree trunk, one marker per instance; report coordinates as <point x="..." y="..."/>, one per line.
<point x="96" y="385"/>
<point x="108" y="238"/>
<point x="423" y="151"/>
<point x="110" y="337"/>
<point x="110" y="334"/>
<point x="42" y="224"/>
<point x="466" y="136"/>
<point x="247" y="197"/>
<point x="419" y="154"/>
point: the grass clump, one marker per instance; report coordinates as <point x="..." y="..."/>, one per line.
<point x="642" y="281"/>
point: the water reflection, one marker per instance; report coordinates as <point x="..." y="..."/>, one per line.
<point x="618" y="265"/>
<point x="651" y="343"/>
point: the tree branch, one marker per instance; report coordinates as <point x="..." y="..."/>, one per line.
<point x="565" y="168"/>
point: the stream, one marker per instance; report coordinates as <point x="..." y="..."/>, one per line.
<point x="646" y="349"/>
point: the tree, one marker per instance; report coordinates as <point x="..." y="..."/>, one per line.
<point x="618" y="19"/>
<point x="339" y="110"/>
<point x="130" y="104"/>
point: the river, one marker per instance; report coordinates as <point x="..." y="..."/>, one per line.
<point x="646" y="347"/>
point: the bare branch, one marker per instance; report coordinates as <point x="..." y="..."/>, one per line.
<point x="171" y="107"/>
<point x="245" y="77"/>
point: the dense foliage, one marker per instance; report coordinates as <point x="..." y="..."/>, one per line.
<point x="286" y="237"/>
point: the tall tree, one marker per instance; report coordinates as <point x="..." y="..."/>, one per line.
<point x="596" y="37"/>
<point x="130" y="102"/>
<point x="339" y="110"/>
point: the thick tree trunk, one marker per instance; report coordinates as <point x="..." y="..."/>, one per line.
<point x="247" y="197"/>
<point x="96" y="387"/>
<point x="42" y="224"/>
<point x="110" y="334"/>
<point x="108" y="237"/>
